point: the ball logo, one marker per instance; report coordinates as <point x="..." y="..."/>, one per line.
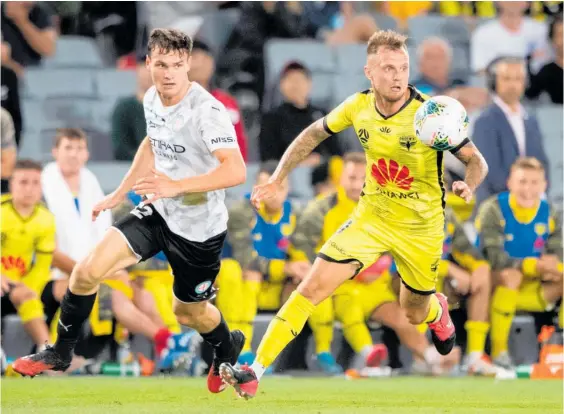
<point x="391" y="172"/>
<point x="203" y="287"/>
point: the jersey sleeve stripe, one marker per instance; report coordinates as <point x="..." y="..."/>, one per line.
<point x="326" y="127"/>
<point x="440" y="177"/>
<point x="457" y="148"/>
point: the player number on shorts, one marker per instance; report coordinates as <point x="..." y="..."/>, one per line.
<point x="141" y="212"/>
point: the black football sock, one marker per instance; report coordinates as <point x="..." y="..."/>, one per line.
<point x="75" y="309"/>
<point x="220" y="339"/>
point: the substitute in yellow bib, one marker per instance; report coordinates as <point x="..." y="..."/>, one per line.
<point x="521" y="236"/>
<point x="400" y="210"/>
<point x="28" y="242"/>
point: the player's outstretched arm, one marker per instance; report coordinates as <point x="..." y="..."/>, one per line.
<point x="141" y="166"/>
<point x="476" y="171"/>
<point x="299" y="149"/>
<point x="230" y="172"/>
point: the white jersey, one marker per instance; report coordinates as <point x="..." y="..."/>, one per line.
<point x="183" y="138"/>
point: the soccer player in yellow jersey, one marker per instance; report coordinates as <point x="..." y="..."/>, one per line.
<point x="401" y="209"/>
<point x="28" y="242"/>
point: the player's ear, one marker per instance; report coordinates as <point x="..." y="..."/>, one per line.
<point x="367" y="73"/>
<point x="147" y="61"/>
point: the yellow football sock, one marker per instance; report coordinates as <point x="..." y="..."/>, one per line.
<point x="251" y="290"/>
<point x="422" y="328"/>
<point x="531" y="299"/>
<point x="229" y="298"/>
<point x="285" y="326"/>
<point x="477" y="332"/>
<point x="30" y="309"/>
<point x="504" y="304"/>
<point x="321" y="323"/>
<point x="350" y="314"/>
<point x="434" y="310"/>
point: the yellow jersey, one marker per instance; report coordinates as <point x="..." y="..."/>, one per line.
<point x="27" y="244"/>
<point x="404" y="178"/>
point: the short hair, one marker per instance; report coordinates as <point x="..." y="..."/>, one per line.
<point x="387" y="39"/>
<point x="354" y="157"/>
<point x="268" y="167"/>
<point x="297" y="66"/>
<point x="527" y="163"/>
<point x="69" y="133"/>
<point x="434" y="40"/>
<point x="320" y="174"/>
<point x="27" y="164"/>
<point x="169" y="40"/>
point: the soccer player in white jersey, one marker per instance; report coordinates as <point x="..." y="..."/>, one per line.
<point x="183" y="166"/>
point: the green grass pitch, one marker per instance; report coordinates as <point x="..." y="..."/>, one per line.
<point x="281" y="395"/>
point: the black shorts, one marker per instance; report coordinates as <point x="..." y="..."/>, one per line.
<point x="194" y="265"/>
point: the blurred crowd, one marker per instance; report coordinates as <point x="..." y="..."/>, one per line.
<point x="514" y="62"/>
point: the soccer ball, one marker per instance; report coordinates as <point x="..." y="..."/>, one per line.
<point x="441" y="123"/>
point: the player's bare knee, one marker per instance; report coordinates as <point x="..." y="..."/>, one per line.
<point x="21" y="294"/>
<point x="510" y="278"/>
<point x="188" y="314"/>
<point x="85" y="276"/>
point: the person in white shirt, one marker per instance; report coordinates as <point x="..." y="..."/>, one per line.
<point x="505" y="131"/>
<point x="512" y="34"/>
<point x="71" y="191"/>
<point x="183" y="166"/>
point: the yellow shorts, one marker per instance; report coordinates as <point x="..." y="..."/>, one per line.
<point x="365" y="237"/>
<point x="375" y="294"/>
<point x="270" y="296"/>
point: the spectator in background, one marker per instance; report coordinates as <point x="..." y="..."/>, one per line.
<point x="128" y="120"/>
<point x="435" y="57"/>
<point x="512" y="34"/>
<point x="338" y="23"/>
<point x="7" y="148"/>
<point x="261" y="21"/>
<point x="10" y="90"/>
<point x="321" y="180"/>
<point x="466" y="8"/>
<point x="202" y="70"/>
<point x="27" y="27"/>
<point x="549" y="78"/>
<point x="504" y="131"/>
<point x="402" y="11"/>
<point x="282" y="124"/>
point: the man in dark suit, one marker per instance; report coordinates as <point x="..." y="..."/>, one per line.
<point x="504" y="131"/>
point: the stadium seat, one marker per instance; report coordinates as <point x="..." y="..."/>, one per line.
<point x="300" y="183"/>
<point x="317" y="56"/>
<point x="115" y="83"/>
<point x="453" y="29"/>
<point x="75" y="52"/>
<point x="350" y="59"/>
<point x="385" y="22"/>
<point x="217" y="28"/>
<point x="109" y="174"/>
<point x="354" y="83"/>
<point x="68" y="83"/>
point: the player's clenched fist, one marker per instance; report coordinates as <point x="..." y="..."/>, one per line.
<point x="461" y="189"/>
<point x="264" y="192"/>
<point x="159" y="185"/>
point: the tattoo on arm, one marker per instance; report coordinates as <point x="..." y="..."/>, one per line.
<point x="300" y="148"/>
<point x="476" y="166"/>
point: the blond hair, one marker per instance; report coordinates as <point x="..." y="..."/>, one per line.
<point x="354" y="157"/>
<point x="387" y="39"/>
<point x="527" y="163"/>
